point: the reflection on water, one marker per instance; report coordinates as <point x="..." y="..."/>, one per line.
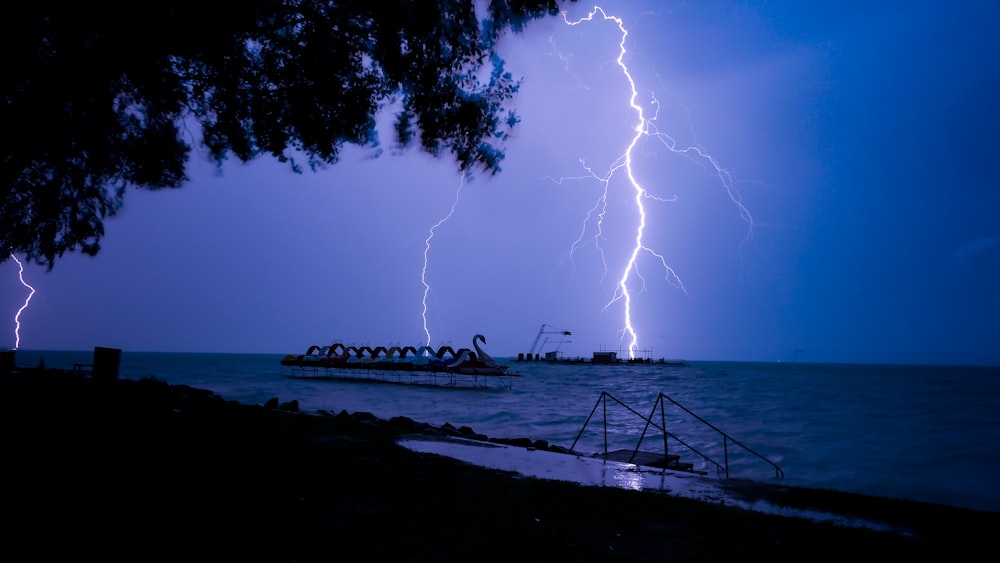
<point x="590" y="471"/>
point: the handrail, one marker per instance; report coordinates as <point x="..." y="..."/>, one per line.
<point x="663" y="428"/>
<point x="604" y="396"/>
<point x="779" y="473"/>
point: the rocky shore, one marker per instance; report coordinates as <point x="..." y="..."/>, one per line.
<point x="135" y="470"/>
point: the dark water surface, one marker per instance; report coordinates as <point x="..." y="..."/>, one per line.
<point x="926" y="433"/>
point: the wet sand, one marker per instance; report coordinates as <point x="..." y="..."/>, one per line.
<point x="139" y="469"/>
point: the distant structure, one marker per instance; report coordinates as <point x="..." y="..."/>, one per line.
<point x="603" y="357"/>
<point x="535" y="346"/>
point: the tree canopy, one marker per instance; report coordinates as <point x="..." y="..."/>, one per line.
<point x="98" y="99"/>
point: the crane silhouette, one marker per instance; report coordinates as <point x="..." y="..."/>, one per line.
<point x="544" y="331"/>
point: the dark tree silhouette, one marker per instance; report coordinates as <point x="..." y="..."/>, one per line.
<point x="98" y="98"/>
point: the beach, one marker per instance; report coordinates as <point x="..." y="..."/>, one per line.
<point x="124" y="469"/>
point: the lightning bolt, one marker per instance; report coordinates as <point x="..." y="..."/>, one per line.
<point x="427" y="250"/>
<point x="17" y="317"/>
<point x="645" y="128"/>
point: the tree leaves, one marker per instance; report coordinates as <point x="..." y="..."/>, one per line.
<point x="96" y="101"/>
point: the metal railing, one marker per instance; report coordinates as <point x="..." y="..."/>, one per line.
<point x="662" y="426"/>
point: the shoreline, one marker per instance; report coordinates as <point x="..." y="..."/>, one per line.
<point x="121" y="465"/>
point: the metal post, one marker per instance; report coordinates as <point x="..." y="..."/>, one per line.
<point x="725" y="450"/>
<point x="663" y="424"/>
<point x="604" y="396"/>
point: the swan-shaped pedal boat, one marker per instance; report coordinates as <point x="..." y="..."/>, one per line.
<point x="400" y="358"/>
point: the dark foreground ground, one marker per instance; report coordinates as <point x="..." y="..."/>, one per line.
<point x="140" y="470"/>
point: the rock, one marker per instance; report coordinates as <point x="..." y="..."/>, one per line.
<point x="363" y="416"/>
<point x="519" y="442"/>
<point x="403" y="422"/>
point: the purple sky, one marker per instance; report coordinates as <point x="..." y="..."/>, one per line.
<point x="859" y="136"/>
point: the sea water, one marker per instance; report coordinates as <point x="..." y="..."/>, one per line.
<point x="926" y="433"/>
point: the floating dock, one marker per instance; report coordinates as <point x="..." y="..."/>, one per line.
<point x="602" y="358"/>
<point x="416" y="376"/>
<point x="649" y="459"/>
